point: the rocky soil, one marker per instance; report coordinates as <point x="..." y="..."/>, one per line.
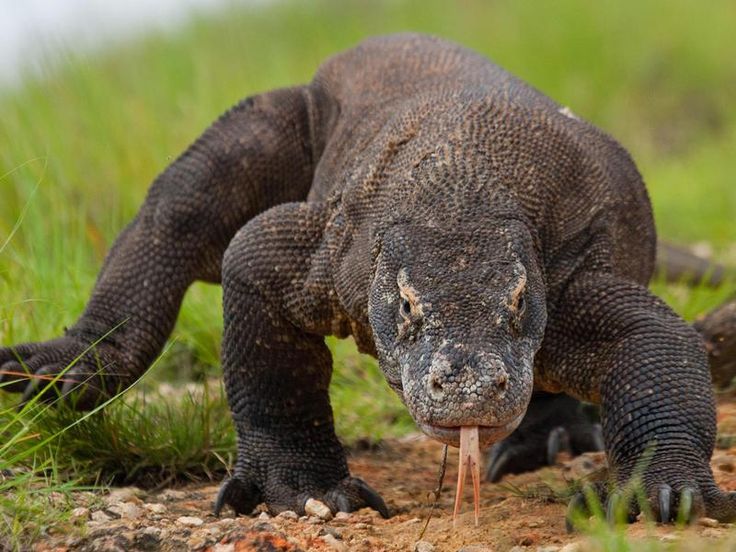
<point x="519" y="514"/>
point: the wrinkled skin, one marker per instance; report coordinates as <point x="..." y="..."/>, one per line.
<point x="475" y="236"/>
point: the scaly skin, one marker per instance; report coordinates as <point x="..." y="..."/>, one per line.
<point x="477" y="238"/>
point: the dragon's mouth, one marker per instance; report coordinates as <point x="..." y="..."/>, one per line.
<point x="487" y="434"/>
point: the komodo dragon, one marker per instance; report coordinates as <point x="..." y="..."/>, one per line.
<point x="479" y="239"/>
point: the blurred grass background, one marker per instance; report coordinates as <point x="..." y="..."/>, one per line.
<point x="80" y="145"/>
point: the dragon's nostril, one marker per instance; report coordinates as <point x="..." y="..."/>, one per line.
<point x="434" y="387"/>
<point x="502" y="382"/>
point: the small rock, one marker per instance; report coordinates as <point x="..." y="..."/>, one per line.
<point x="362" y="526"/>
<point x="264" y="516"/>
<point x="475" y="548"/>
<point x="548" y="549"/>
<point x="343" y="516"/>
<point x="572" y="547"/>
<point x="126" y="510"/>
<point x="335" y="544"/>
<point x="100" y="516"/>
<point x="156" y="508"/>
<point x="124" y="494"/>
<point x="314" y="520"/>
<point x="414" y="520"/>
<point x="423" y="546"/>
<point x="319" y="509"/>
<point x="669" y="538"/>
<point x="80" y="513"/>
<point x="288" y="514"/>
<point x="189" y="521"/>
<point x="229" y="547"/>
<point x="172" y="494"/>
<point x="708" y="522"/>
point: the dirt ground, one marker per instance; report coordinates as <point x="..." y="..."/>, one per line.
<point x="405" y="472"/>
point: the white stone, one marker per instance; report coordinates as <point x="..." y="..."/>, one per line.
<point x="288" y="514"/>
<point x="156" y="508"/>
<point x="423" y="546"/>
<point x="318" y="509"/>
<point x="80" y="513"/>
<point x="100" y="516"/>
<point x="190" y="521"/>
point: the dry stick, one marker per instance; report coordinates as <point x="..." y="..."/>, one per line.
<point x="440" y="479"/>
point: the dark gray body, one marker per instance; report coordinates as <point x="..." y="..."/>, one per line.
<point x="476" y="237"/>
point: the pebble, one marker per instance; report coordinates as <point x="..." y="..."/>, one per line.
<point x="264" y="516"/>
<point x="288" y="514"/>
<point x="319" y="509"/>
<point x="229" y="547"/>
<point x="708" y="522"/>
<point x="343" y="516"/>
<point x="335" y="544"/>
<point x="423" y="546"/>
<point x="80" y="513"/>
<point x="572" y="547"/>
<point x="669" y="538"/>
<point x="191" y="521"/>
<point x="156" y="508"/>
<point x="548" y="549"/>
<point x="100" y="516"/>
<point x="172" y="494"/>
<point x="475" y="548"/>
<point x="126" y="510"/>
<point x="124" y="494"/>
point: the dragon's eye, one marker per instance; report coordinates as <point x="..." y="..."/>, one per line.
<point x="405" y="307"/>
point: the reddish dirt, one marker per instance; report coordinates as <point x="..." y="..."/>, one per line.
<point x="405" y="472"/>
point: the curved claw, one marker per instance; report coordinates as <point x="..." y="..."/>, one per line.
<point x="613" y="508"/>
<point x="685" y="509"/>
<point x="578" y="506"/>
<point x="597" y="438"/>
<point x="371" y="498"/>
<point x="555" y="442"/>
<point x="241" y="496"/>
<point x="664" y="499"/>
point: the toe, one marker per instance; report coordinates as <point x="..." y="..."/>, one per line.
<point x="240" y="494"/>
<point x="352" y="494"/>
<point x="664" y="504"/>
<point x="14" y="376"/>
<point x="557" y="440"/>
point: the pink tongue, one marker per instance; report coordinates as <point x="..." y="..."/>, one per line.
<point x="469" y="459"/>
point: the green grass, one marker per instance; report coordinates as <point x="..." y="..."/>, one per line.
<point x="79" y="147"/>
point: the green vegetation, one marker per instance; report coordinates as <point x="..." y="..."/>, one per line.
<point x="79" y="147"/>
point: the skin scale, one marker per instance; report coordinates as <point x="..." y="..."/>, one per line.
<point x="479" y="239"/>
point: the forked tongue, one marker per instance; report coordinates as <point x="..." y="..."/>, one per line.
<point x="469" y="459"/>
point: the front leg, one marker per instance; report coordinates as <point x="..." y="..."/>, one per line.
<point x="278" y="307"/>
<point x="611" y="341"/>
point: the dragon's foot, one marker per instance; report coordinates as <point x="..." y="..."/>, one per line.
<point x="553" y="423"/>
<point x="67" y="367"/>
<point x="663" y="495"/>
<point x="243" y="494"/>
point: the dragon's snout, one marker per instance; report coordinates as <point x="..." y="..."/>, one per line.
<point x="460" y="387"/>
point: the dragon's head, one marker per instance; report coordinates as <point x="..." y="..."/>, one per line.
<point x="457" y="317"/>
